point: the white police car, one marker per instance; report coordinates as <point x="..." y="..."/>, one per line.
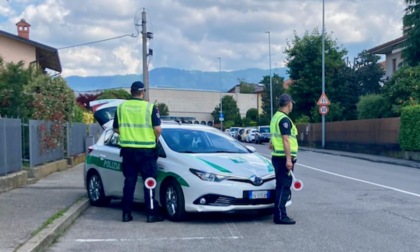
<point x="200" y="169"/>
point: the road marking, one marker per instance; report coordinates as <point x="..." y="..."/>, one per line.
<point x="161" y="239"/>
<point x="234" y="231"/>
<point x="361" y="180"/>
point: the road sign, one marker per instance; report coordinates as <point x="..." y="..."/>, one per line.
<point x="323" y="100"/>
<point x="323" y="109"/>
<point x="221" y="117"/>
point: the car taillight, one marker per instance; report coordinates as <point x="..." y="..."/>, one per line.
<point x="90" y="149"/>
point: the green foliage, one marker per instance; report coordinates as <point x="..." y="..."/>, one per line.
<point x="246" y="88"/>
<point x="403" y="89"/>
<point x="411" y="22"/>
<point x="163" y="109"/>
<point x="51" y="98"/>
<point x="230" y="111"/>
<point x="335" y="113"/>
<point x="228" y="124"/>
<point x="304" y="59"/>
<point x="277" y="88"/>
<point x="77" y="115"/>
<point x="368" y="73"/>
<point x="13" y="101"/>
<point x="252" y="114"/>
<point x="372" y="106"/>
<point x="114" y="94"/>
<point x="409" y="137"/>
<point x="302" y="119"/>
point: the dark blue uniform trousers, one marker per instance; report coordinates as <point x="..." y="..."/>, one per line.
<point x="283" y="182"/>
<point x="135" y="161"/>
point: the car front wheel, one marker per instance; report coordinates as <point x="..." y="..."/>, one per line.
<point x="174" y="201"/>
<point x="96" y="192"/>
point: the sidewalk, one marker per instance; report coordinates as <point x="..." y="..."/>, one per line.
<point x="23" y="211"/>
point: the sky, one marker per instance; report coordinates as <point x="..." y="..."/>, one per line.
<point x="204" y="35"/>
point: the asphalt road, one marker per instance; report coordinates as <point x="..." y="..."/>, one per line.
<point x="346" y="204"/>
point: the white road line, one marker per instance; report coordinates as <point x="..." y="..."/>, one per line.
<point x="361" y="180"/>
<point x="160" y="239"/>
<point x="358" y="180"/>
<point x="233" y="229"/>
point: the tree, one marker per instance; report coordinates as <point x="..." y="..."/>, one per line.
<point x="372" y="106"/>
<point x="277" y="88"/>
<point x="304" y="60"/>
<point x="403" y="89"/>
<point x="13" y="101"/>
<point x="246" y="88"/>
<point x="114" y="94"/>
<point x="252" y="114"/>
<point x="368" y="73"/>
<point x="411" y="22"/>
<point x="163" y="109"/>
<point x="230" y="111"/>
<point x="84" y="99"/>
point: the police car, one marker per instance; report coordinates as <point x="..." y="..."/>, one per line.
<point x="200" y="169"/>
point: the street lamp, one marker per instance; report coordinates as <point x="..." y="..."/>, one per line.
<point x="221" y="96"/>
<point x="271" y="79"/>
<point x="323" y="69"/>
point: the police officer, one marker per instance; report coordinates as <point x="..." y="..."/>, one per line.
<point x="138" y="123"/>
<point x="284" y="146"/>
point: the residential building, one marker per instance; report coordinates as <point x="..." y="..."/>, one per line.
<point x="392" y="51"/>
<point x="16" y="48"/>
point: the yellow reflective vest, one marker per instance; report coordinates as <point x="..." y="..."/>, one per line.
<point x="135" y="124"/>
<point x="276" y="137"/>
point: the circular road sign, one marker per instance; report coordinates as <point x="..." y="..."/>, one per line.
<point x="323" y="110"/>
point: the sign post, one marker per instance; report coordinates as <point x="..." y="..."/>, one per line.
<point x="323" y="104"/>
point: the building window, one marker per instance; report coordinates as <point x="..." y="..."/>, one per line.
<point x="394" y="65"/>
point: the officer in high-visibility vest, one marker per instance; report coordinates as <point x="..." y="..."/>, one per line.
<point x="284" y="146"/>
<point x="138" y="123"/>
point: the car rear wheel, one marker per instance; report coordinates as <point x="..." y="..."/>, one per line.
<point x="174" y="201"/>
<point x="96" y="192"/>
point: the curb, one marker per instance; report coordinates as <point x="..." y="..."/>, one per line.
<point x="47" y="236"/>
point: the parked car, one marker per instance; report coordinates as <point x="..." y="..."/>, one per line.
<point x="233" y="131"/>
<point x="238" y="135"/>
<point x="263" y="134"/>
<point x="250" y="137"/>
<point x="201" y="169"/>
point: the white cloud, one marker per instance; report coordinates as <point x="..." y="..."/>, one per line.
<point x="192" y="34"/>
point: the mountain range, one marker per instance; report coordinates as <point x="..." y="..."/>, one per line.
<point x="175" y="78"/>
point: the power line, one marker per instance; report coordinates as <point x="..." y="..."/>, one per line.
<point x="98" y="41"/>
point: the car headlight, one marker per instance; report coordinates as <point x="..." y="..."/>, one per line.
<point x="208" y="176"/>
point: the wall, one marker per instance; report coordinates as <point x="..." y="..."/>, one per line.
<point x="197" y="103"/>
<point x="15" y="51"/>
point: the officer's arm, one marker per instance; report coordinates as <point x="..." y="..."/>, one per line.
<point x="286" y="145"/>
<point x="157" y="130"/>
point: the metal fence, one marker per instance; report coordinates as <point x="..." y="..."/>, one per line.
<point x="10" y="146"/>
<point x="21" y="142"/>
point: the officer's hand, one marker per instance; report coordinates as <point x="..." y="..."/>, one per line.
<point x="270" y="146"/>
<point x="289" y="164"/>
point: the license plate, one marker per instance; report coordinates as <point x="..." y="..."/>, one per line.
<point x="259" y="194"/>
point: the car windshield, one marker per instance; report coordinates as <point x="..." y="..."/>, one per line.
<point x="201" y="141"/>
<point x="264" y="130"/>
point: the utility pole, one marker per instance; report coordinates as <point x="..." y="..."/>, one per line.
<point x="323" y="69"/>
<point x="271" y="79"/>
<point x="145" y="66"/>
<point x="221" y="94"/>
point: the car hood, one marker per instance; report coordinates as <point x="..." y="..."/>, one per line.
<point x="243" y="165"/>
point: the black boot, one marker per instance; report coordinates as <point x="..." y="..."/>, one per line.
<point x="127" y="217"/>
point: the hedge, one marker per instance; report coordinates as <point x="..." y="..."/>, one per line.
<point x="409" y="137"/>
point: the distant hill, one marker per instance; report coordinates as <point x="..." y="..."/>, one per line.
<point x="175" y="78"/>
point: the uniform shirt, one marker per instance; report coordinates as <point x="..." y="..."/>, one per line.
<point x="285" y="126"/>
<point x="155" y="117"/>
